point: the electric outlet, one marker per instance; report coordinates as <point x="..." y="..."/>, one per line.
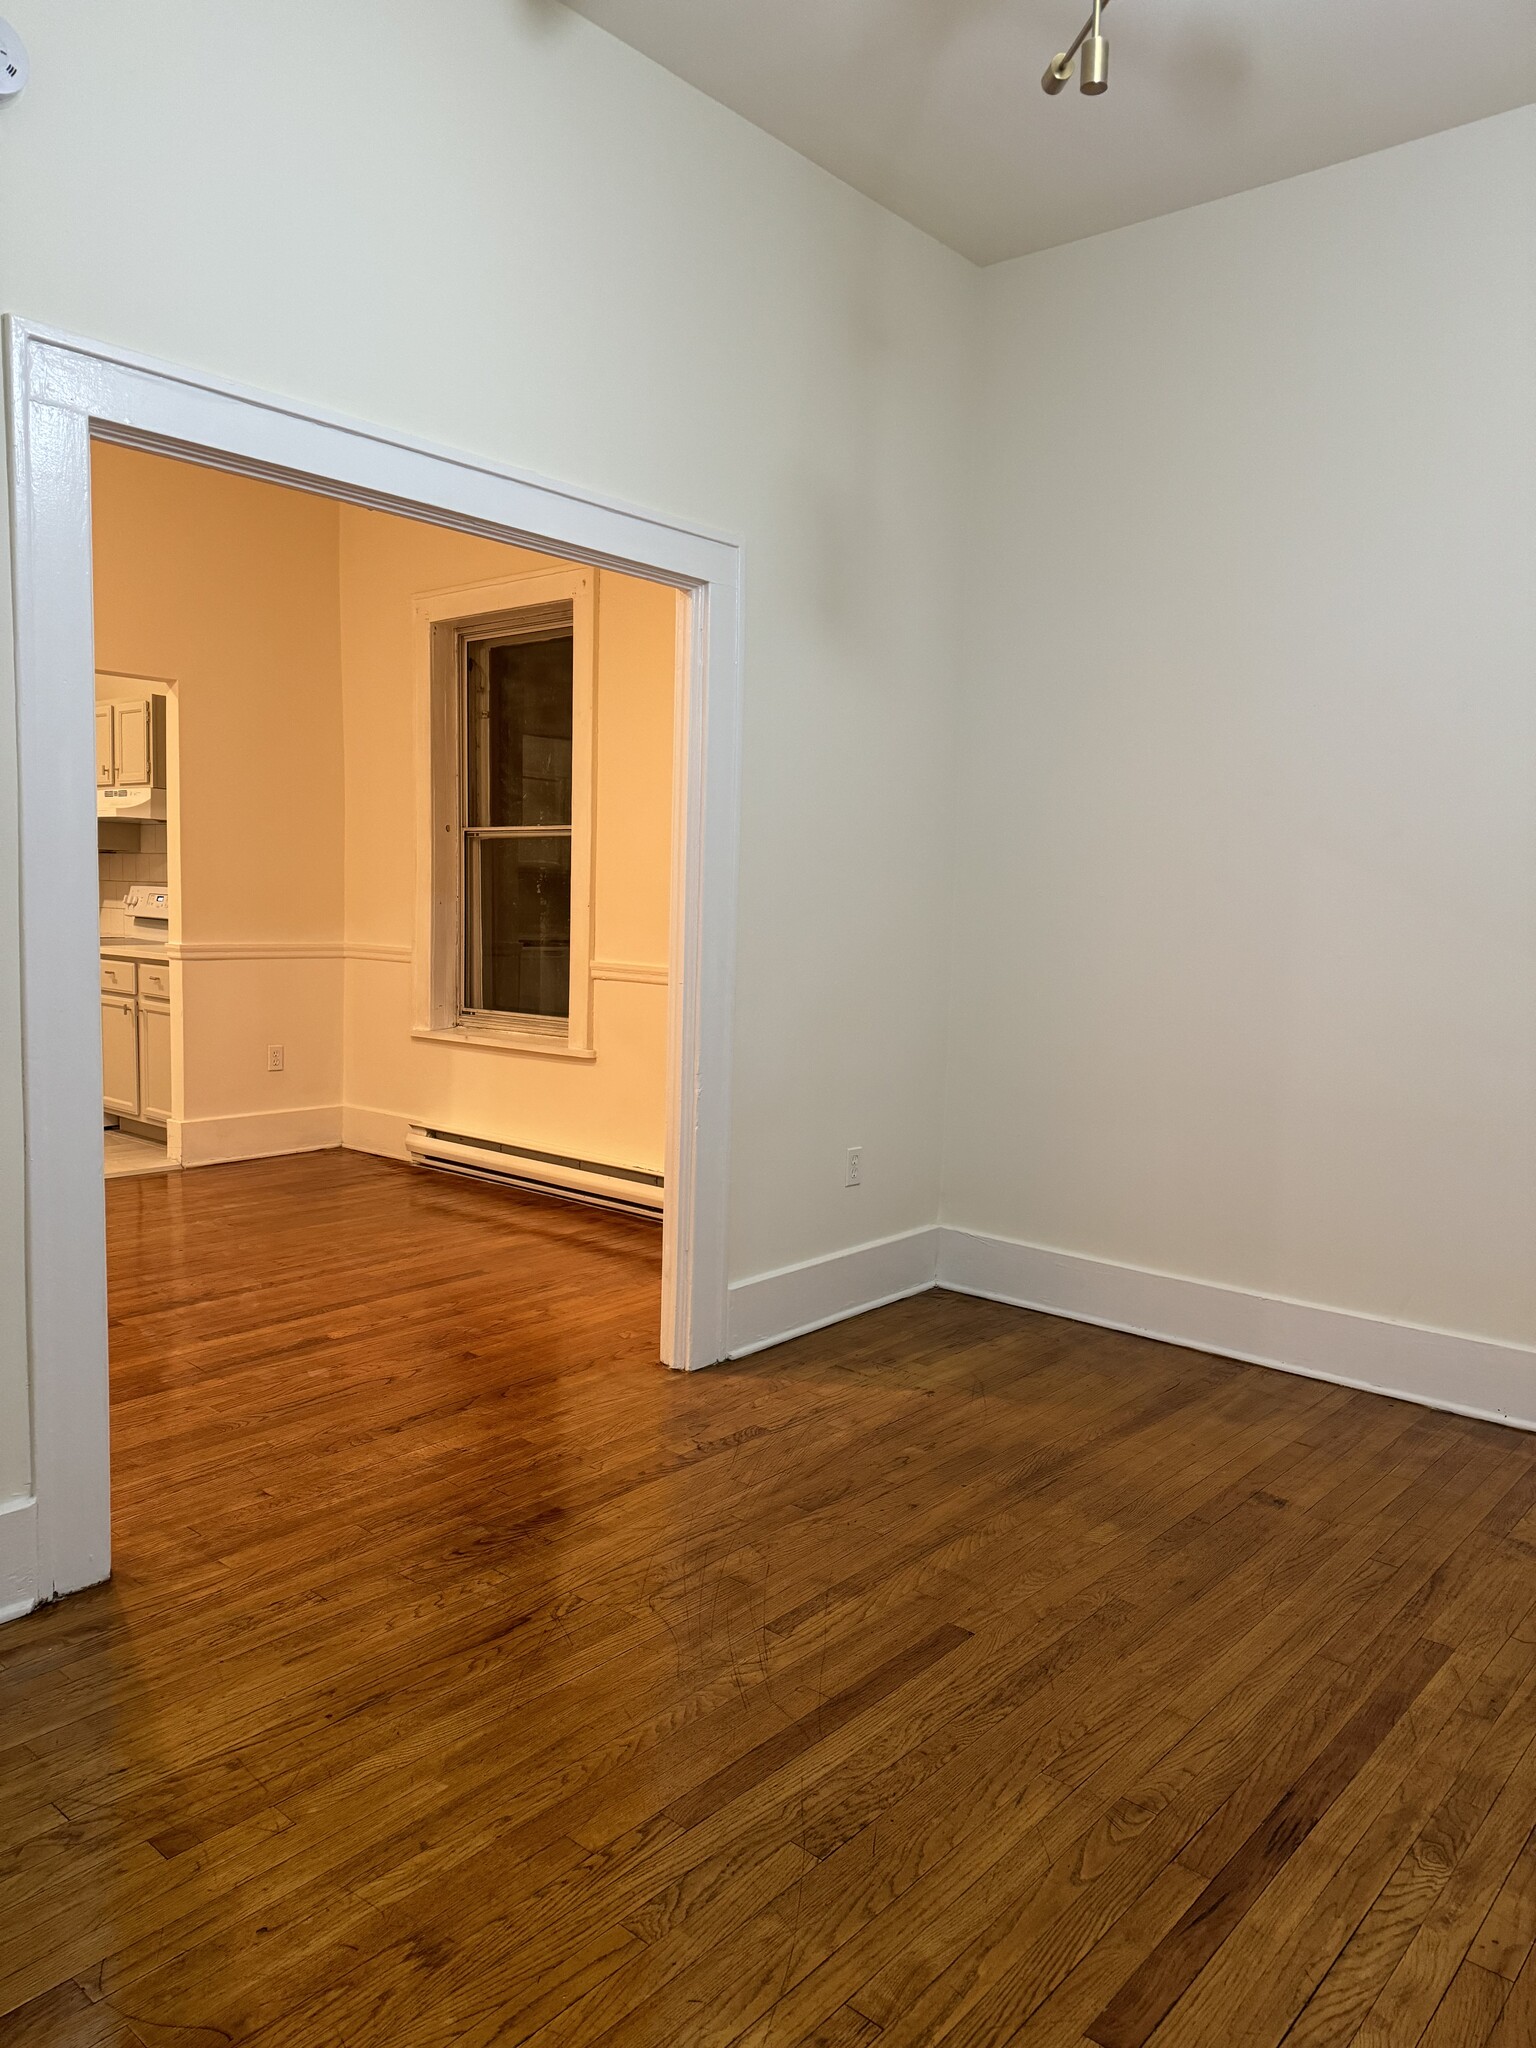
<point x="855" y="1177"/>
<point x="274" y="1059"/>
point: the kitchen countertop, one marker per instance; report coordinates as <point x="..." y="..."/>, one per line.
<point x="133" y="949"/>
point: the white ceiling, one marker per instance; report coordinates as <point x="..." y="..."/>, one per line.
<point x="934" y="107"/>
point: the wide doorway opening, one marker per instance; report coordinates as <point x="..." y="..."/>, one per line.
<point x="400" y="888"/>
<point x="384" y="826"/>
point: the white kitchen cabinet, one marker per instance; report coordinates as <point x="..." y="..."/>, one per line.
<point x="130" y="743"/>
<point x="105" y="754"/>
<point x="154" y="1062"/>
<point x="132" y="755"/>
<point x="136" y="1038"/>
<point x="120" y="1055"/>
<point x="133" y="744"/>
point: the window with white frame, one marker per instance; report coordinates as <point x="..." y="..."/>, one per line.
<point x="515" y="899"/>
<point x="510" y="725"/>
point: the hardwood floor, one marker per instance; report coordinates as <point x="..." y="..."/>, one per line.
<point x="957" y="1675"/>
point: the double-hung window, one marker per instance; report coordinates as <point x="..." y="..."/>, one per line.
<point x="509" y="690"/>
<point x="516" y="896"/>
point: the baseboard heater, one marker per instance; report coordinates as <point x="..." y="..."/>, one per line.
<point x="539" y="1173"/>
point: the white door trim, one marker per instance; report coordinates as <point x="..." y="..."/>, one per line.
<point x="63" y="391"/>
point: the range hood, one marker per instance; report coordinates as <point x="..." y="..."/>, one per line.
<point x="135" y="800"/>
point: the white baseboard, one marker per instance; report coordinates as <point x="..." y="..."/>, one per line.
<point x="770" y="1308"/>
<point x="380" y="1131"/>
<point x="1439" y="1369"/>
<point x="18" y="1557"/>
<point x="215" y="1140"/>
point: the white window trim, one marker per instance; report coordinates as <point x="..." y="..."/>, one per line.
<point x="440" y="617"/>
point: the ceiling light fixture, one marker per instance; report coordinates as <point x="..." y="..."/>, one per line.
<point x="1094" y="77"/>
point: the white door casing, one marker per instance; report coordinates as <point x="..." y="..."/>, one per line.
<point x="62" y="392"/>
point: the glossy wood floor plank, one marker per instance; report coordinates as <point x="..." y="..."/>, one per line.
<point x="954" y="1676"/>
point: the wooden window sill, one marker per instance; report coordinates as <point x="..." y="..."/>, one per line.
<point x="552" y="1045"/>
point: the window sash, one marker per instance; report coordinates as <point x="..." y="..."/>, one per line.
<point x="472" y="936"/>
<point x="473" y="954"/>
<point x="517" y="831"/>
<point x="477" y="752"/>
<point x="546" y="604"/>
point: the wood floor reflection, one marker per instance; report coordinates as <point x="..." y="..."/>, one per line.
<point x="957" y="1675"/>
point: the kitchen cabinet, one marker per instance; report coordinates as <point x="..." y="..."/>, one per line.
<point x="136" y="1038"/>
<point x="120" y="1055"/>
<point x="105" y="754"/>
<point x="154" y="1062"/>
<point x="130" y="744"/>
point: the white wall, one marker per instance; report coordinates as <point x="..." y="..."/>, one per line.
<point x="1245" y="946"/>
<point x="1242" y="950"/>
<point x="496" y="226"/>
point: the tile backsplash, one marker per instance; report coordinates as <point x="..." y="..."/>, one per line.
<point x="128" y="851"/>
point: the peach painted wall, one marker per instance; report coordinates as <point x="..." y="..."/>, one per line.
<point x="228" y="588"/>
<point x="612" y="1108"/>
<point x="284" y="622"/>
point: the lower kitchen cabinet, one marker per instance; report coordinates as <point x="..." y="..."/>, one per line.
<point x="154" y="1062"/>
<point x="135" y="1039"/>
<point x="120" y="1055"/>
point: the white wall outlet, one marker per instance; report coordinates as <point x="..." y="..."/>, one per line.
<point x="855" y="1177"/>
<point x="274" y="1059"/>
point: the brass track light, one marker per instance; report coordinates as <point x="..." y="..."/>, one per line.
<point x="1093" y="76"/>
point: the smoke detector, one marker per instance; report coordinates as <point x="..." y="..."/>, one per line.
<point x="14" y="68"/>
